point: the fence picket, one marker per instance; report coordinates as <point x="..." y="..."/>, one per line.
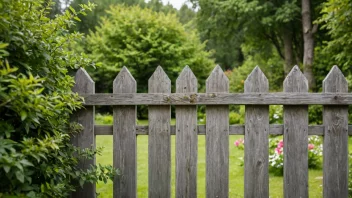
<point x="124" y="132"/>
<point x="256" y="179"/>
<point x="335" y="147"/>
<point x="217" y="138"/>
<point x="186" y="138"/>
<point x="85" y="139"/>
<point x="159" y="139"/>
<point x="295" y="139"/>
<point x="335" y="130"/>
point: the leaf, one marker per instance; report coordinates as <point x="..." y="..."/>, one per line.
<point x="26" y="162"/>
<point x="81" y="182"/>
<point x="3" y="45"/>
<point x="23" y="115"/>
<point x="77" y="19"/>
<point x="20" y="176"/>
<point x="7" y="168"/>
<point x="72" y="10"/>
<point x="42" y="188"/>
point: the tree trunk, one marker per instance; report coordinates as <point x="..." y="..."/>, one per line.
<point x="288" y="48"/>
<point x="308" y="39"/>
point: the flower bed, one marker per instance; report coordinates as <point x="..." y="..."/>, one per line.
<point x="276" y="153"/>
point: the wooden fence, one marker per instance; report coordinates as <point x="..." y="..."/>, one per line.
<point x="295" y="98"/>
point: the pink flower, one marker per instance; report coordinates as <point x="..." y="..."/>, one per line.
<point x="278" y="151"/>
<point x="281" y="144"/>
<point x="310" y="146"/>
<point x="239" y="142"/>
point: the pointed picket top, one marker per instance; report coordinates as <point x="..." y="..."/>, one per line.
<point x="83" y="82"/>
<point x="296" y="81"/>
<point x="256" y="81"/>
<point x="217" y="81"/>
<point x="159" y="82"/>
<point x="124" y="82"/>
<point x="186" y="81"/>
<point x="335" y="81"/>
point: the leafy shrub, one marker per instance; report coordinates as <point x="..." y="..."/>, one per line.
<point x="103" y="119"/>
<point x="36" y="156"/>
<point x="237" y="117"/>
<point x="141" y="40"/>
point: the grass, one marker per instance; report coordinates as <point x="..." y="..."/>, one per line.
<point x="236" y="182"/>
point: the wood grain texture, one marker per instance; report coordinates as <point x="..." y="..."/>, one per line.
<point x="186" y="138"/>
<point x="238" y="129"/>
<point x="124" y="153"/>
<point x="159" y="139"/>
<point x="217" y="139"/>
<point x="86" y="138"/>
<point x="219" y="99"/>
<point x="256" y="151"/>
<point x="335" y="146"/>
<point x="295" y="139"/>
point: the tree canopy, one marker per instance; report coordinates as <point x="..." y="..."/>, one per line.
<point x="141" y="40"/>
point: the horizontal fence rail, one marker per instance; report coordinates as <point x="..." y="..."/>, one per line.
<point x="105" y="99"/>
<point x="295" y="99"/>
<point x="275" y="129"/>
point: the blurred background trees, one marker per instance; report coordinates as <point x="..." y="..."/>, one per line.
<point x="236" y="34"/>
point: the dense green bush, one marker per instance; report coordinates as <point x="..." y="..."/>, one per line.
<point x="36" y="157"/>
<point x="142" y="39"/>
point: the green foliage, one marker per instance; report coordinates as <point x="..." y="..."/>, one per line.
<point x="90" y="20"/>
<point x="229" y="24"/>
<point x="36" y="156"/>
<point x="104" y="119"/>
<point x="141" y="40"/>
<point x="158" y="6"/>
<point x="270" y="65"/>
<point x="276" y="153"/>
<point x="337" y="20"/>
<point x="237" y="117"/>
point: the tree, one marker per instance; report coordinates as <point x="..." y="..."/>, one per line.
<point x="308" y="37"/>
<point x="36" y="101"/>
<point x="55" y="7"/>
<point x="91" y="19"/>
<point x="256" y="22"/>
<point x="336" y="19"/>
<point x="259" y="23"/>
<point x="186" y="14"/>
<point x="222" y="32"/>
<point x="158" y="6"/>
<point x="141" y="40"/>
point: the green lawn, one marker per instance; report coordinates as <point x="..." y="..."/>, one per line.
<point x="236" y="171"/>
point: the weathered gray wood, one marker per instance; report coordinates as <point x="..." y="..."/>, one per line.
<point x="256" y="151"/>
<point x="86" y="138"/>
<point x="275" y="129"/>
<point x="295" y="139"/>
<point x="159" y="139"/>
<point x="219" y="99"/>
<point x="335" y="147"/>
<point x="186" y="138"/>
<point x="217" y="139"/>
<point x="124" y="154"/>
